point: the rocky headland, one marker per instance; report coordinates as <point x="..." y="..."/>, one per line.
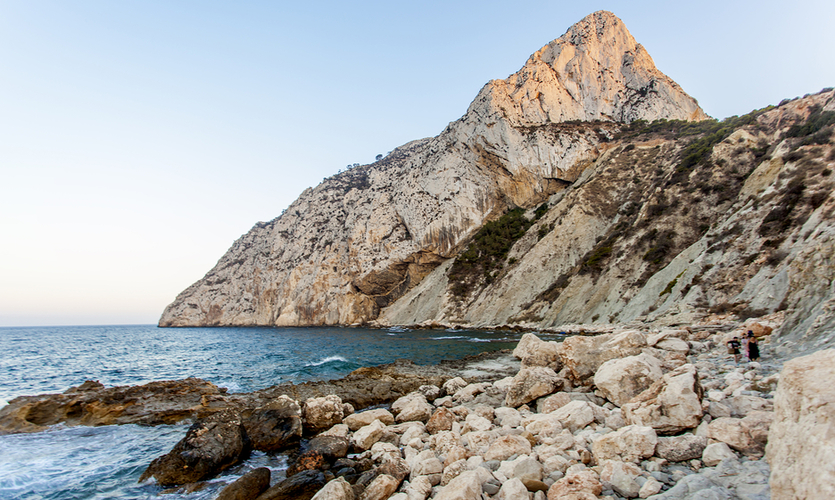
<point x="588" y="187"/>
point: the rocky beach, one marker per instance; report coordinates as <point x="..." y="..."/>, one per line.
<point x="630" y="413"/>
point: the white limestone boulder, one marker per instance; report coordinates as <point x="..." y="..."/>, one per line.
<point x="531" y="383"/>
<point x="575" y="415"/>
<point x="356" y="421"/>
<point x="621" y="477"/>
<point x="622" y="379"/>
<point x="412" y="407"/>
<point x="802" y="437"/>
<point x="631" y="444"/>
<point x="670" y="405"/>
<point x="536" y="352"/>
<point x="584" y="355"/>
<point x="322" y="413"/>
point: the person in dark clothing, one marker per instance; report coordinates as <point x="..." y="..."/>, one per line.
<point x="753" y="349"/>
<point x="733" y="348"/>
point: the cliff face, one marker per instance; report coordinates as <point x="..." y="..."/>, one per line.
<point x="350" y="247"/>
<point x="670" y="224"/>
<point x="625" y="220"/>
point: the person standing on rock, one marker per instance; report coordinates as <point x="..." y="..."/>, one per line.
<point x="753" y="348"/>
<point x="733" y="348"/>
<point x="745" y="343"/>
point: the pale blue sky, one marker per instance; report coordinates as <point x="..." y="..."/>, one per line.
<point x="139" y="139"/>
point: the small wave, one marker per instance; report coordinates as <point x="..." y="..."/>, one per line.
<point x="449" y="338"/>
<point x="478" y="340"/>
<point x="329" y="359"/>
<point x="398" y="329"/>
<point x="233" y="387"/>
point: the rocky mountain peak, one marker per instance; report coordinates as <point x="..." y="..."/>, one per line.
<point x="595" y="71"/>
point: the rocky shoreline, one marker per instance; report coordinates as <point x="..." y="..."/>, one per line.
<point x="628" y="414"/>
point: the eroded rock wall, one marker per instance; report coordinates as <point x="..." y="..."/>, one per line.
<point x="350" y="247"/>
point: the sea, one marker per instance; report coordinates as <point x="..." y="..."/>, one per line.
<point x="106" y="462"/>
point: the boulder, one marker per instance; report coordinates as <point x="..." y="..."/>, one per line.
<point x="357" y="420"/>
<point x="340" y="430"/>
<point x="274" y="426"/>
<point x="553" y="402"/>
<point x="621" y="477"/>
<point x="681" y="448"/>
<point x="453" y="470"/>
<point x="412" y="407"/>
<point x="508" y="417"/>
<point x="747" y="435"/>
<point x="441" y="420"/>
<point x="622" y="379"/>
<point x="631" y="444"/>
<point x="365" y="437"/>
<point x="670" y="405"/>
<point x="309" y="460"/>
<point x="759" y="330"/>
<point x="331" y="447"/>
<point x="673" y="344"/>
<point x="466" y="486"/>
<point x="582" y="485"/>
<point x="479" y="441"/>
<point x="543" y="425"/>
<point x="302" y="486"/>
<point x="426" y="463"/>
<point x="209" y="446"/>
<point x="583" y="355"/>
<point x="469" y="392"/>
<point x="419" y="488"/>
<point x="453" y="385"/>
<point x="336" y="489"/>
<point x="742" y="405"/>
<point x="575" y="415"/>
<point x="512" y="489"/>
<point x="248" y="486"/>
<point x="380" y="488"/>
<point x="715" y="453"/>
<point x="322" y="413"/>
<point x="507" y="446"/>
<point x="527" y="470"/>
<point x="535" y="352"/>
<point x="432" y="392"/>
<point x="651" y="487"/>
<point x="531" y="383"/>
<point x="802" y="437"/>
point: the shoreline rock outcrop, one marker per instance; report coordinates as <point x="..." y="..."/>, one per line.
<point x="702" y="425"/>
<point x="705" y="431"/>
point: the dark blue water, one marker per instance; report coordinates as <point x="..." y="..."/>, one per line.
<point x="106" y="462"/>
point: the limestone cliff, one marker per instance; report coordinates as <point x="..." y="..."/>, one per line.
<point x="669" y="224"/>
<point x="350" y="247"/>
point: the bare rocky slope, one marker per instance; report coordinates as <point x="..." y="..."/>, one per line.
<point x="585" y="188"/>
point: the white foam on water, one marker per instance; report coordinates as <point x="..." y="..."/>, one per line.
<point x="329" y="359"/>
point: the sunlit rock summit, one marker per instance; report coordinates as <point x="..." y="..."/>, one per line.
<point x="586" y="187"/>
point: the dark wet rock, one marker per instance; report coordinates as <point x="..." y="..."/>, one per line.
<point x="171" y="401"/>
<point x="155" y="403"/>
<point x="331" y="447"/>
<point x="301" y="486"/>
<point x="275" y="426"/>
<point x="210" y="446"/>
<point x="248" y="486"/>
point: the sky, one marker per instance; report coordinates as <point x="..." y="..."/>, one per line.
<point x="140" y="139"/>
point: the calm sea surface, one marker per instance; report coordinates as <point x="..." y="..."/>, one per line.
<point x="105" y="462"/>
